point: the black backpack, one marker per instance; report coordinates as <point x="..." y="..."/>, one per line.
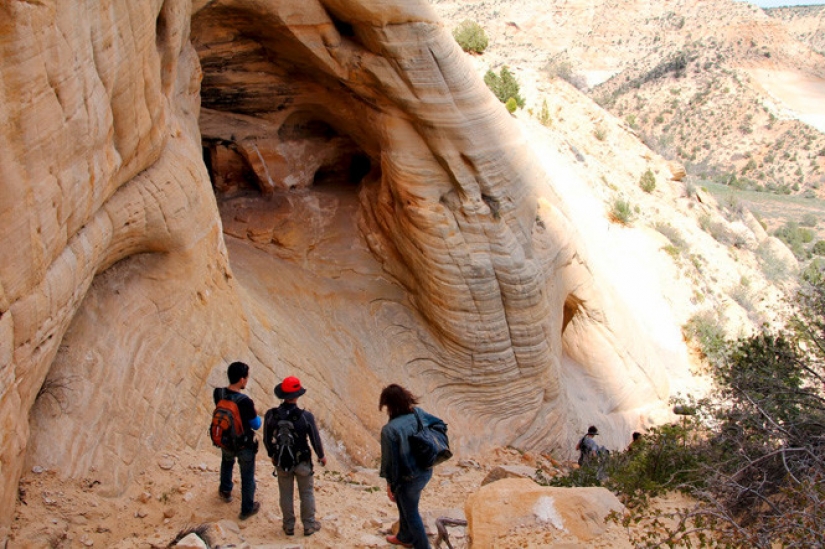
<point x="281" y="438"/>
<point x="583" y="451"/>
<point x="430" y="444"/>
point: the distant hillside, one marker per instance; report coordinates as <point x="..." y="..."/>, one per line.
<point x="692" y="104"/>
<point x="717" y="85"/>
<point x="806" y="23"/>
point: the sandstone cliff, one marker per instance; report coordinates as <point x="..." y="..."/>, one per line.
<point x="386" y="221"/>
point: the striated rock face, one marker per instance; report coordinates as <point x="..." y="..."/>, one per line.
<point x="381" y="95"/>
<point x="105" y="200"/>
<point x="118" y="307"/>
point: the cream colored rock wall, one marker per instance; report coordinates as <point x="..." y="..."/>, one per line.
<point x="103" y="194"/>
<point x="116" y="294"/>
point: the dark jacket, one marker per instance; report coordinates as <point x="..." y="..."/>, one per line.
<point x="306" y="432"/>
<point x="397" y="462"/>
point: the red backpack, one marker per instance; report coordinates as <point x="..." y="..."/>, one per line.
<point x="226" y="430"/>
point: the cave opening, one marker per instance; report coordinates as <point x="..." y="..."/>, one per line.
<point x="572" y="307"/>
<point x="287" y="147"/>
<point x="306" y="152"/>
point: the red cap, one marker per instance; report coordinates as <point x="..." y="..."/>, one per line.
<point x="289" y="388"/>
<point x="291" y="384"/>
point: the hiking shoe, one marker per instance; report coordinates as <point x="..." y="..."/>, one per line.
<point x="395" y="541"/>
<point x="289" y="531"/>
<point x="225" y="496"/>
<point x="312" y="529"/>
<point x="255" y="508"/>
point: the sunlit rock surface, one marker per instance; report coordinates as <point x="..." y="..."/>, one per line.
<point x="381" y="223"/>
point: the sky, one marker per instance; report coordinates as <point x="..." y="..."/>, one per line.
<point x="775" y="3"/>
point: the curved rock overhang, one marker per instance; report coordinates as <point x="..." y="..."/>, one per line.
<point x="115" y="274"/>
<point x="448" y="205"/>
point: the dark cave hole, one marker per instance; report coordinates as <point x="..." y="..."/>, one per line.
<point x="228" y="170"/>
<point x="572" y="306"/>
<point x="350" y="171"/>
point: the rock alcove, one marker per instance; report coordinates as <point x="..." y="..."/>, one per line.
<point x="353" y="140"/>
<point x="282" y="142"/>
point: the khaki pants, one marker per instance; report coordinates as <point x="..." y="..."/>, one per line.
<point x="302" y="473"/>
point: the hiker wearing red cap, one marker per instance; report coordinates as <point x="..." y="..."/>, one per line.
<point x="288" y="433"/>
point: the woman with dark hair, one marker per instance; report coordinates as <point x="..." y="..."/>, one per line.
<point x="405" y="479"/>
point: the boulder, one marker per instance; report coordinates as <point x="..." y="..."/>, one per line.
<point x="191" y="541"/>
<point x="677" y="171"/>
<point x="520" y="513"/>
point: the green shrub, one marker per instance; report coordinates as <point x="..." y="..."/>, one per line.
<point x="704" y="328"/>
<point x="544" y="114"/>
<point x="672" y="234"/>
<point x="752" y="458"/>
<point x="795" y="237"/>
<point x="511" y="105"/>
<point x="647" y="182"/>
<point x="652" y="466"/>
<point x="470" y="36"/>
<point x="504" y="85"/>
<point x="672" y="251"/>
<point x="819" y="247"/>
<point x="774" y="268"/>
<point x="816" y="268"/>
<point x="622" y="212"/>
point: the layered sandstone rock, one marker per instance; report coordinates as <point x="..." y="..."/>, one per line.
<point x="118" y="307"/>
<point x="520" y="513"/>
<point x="447" y="191"/>
<point x="105" y="202"/>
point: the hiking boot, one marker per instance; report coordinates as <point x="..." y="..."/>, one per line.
<point x="289" y="531"/>
<point x="312" y="529"/>
<point x="395" y="541"/>
<point x="225" y="496"/>
<point x="255" y="508"/>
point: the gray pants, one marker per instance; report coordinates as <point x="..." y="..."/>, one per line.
<point x="302" y="473"/>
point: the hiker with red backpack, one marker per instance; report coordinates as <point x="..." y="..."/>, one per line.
<point x="288" y="433"/>
<point x="233" y="424"/>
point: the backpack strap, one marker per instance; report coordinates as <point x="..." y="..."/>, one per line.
<point x="292" y="415"/>
<point x="418" y="419"/>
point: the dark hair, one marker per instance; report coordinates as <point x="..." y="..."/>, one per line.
<point x="637" y="435"/>
<point x="237" y="371"/>
<point x="397" y="399"/>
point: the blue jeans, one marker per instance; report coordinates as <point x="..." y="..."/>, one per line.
<point x="246" y="463"/>
<point x="411" y="527"/>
